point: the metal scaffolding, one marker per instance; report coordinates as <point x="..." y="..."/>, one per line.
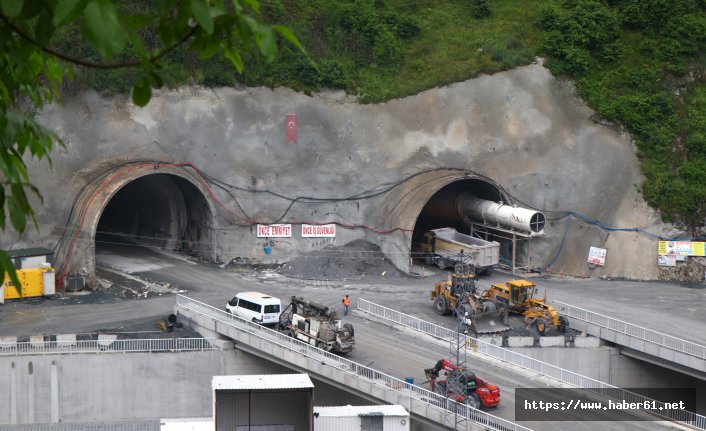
<point x="458" y="354"/>
<point x="490" y="232"/>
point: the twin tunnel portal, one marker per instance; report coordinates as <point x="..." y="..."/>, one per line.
<point x="175" y="209"/>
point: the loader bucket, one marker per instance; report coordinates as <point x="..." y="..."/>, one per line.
<point x="488" y="324"/>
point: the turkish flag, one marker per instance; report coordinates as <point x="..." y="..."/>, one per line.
<point x="290" y="121"/>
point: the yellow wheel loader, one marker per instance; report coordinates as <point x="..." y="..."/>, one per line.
<point x="519" y="297"/>
<point x="459" y="296"/>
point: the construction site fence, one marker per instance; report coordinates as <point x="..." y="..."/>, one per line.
<point x="543" y="368"/>
<point x="658" y="338"/>
<point x="342" y="365"/>
<point x="106" y="346"/>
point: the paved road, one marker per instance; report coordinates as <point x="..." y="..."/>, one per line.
<point x="666" y="307"/>
<point x="404" y="355"/>
<point x="670" y="308"/>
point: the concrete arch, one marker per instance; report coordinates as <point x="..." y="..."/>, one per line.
<point x="406" y="204"/>
<point x="183" y="196"/>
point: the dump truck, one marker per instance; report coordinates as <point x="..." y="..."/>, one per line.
<point x="445" y="247"/>
<point x="462" y="385"/>
<point x="318" y="325"/>
<point x="518" y="296"/>
<point x="459" y="296"/>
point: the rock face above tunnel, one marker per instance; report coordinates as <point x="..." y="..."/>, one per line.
<point x="523" y="131"/>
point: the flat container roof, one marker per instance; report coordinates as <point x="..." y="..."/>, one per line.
<point x="29" y="252"/>
<point x="262" y="381"/>
<point x="187" y="424"/>
<point x="377" y="410"/>
<point x="118" y="425"/>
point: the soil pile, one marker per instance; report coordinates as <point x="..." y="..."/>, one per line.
<point x="356" y="261"/>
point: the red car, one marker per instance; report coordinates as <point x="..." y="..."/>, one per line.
<point x="462" y="386"/>
<point x="488" y="393"/>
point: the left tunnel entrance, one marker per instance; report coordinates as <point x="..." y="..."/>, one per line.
<point x="158" y="210"/>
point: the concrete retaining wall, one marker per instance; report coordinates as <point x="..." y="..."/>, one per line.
<point x="594" y="363"/>
<point x="588" y="342"/>
<point x="88" y="387"/>
<point x="552" y="341"/>
<point x="83" y="387"/>
<point x="515" y="341"/>
<point x="606" y="364"/>
<point x="653" y="349"/>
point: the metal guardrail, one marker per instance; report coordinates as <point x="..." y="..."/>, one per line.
<point x="343" y="365"/>
<point x="106" y="346"/>
<point x="542" y="368"/>
<point x="658" y="338"/>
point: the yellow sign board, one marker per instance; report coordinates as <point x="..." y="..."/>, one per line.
<point x="681" y="248"/>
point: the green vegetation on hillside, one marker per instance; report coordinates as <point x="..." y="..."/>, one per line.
<point x="639" y="63"/>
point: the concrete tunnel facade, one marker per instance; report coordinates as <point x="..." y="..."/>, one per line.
<point x="519" y="137"/>
<point x="150" y="204"/>
<point x="163" y="206"/>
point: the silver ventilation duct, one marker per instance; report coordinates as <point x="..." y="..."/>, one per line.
<point x="494" y="213"/>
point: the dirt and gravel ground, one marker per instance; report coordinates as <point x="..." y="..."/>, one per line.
<point x="114" y="287"/>
<point x="149" y="279"/>
<point x="356" y="261"/>
<point x="358" y="268"/>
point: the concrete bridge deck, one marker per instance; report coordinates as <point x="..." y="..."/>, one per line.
<point x="510" y="358"/>
<point x="638" y="341"/>
<point x="354" y="377"/>
<point x="424" y="405"/>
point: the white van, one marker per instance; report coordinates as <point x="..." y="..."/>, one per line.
<point x="256" y="306"/>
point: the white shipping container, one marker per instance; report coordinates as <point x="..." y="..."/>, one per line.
<point x="361" y="418"/>
<point x="32" y="262"/>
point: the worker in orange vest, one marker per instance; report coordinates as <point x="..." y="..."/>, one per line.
<point x="346" y="304"/>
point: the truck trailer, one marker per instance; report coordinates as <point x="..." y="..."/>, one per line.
<point x="446" y="247"/>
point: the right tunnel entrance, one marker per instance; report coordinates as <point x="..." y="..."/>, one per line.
<point x="480" y="209"/>
<point x="440" y="211"/>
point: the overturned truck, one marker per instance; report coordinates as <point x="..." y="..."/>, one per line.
<point x="318" y="325"/>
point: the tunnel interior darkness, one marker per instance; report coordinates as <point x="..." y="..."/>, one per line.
<point x="159" y="210"/>
<point x="440" y="210"/>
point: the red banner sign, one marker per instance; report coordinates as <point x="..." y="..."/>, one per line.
<point x="274" y="230"/>
<point x="319" y="230"/>
<point x="290" y="121"/>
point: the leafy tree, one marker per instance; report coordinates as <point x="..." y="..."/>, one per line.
<point x="480" y="9"/>
<point x="373" y="29"/>
<point x="583" y="28"/>
<point x="652" y="15"/>
<point x="655" y="92"/>
<point x="122" y="35"/>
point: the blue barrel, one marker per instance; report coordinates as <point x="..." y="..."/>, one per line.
<point x="267" y="249"/>
<point x="409" y="382"/>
